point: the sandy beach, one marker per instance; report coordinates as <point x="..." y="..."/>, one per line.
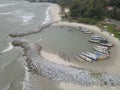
<point x="111" y="65"/>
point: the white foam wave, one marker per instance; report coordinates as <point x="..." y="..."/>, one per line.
<point x="26" y="83"/>
<point x="10" y="47"/>
<point x="48" y="17"/>
<point x="5" y="13"/>
<point x="4" y="5"/>
<point x="24" y="16"/>
<point x="27" y="18"/>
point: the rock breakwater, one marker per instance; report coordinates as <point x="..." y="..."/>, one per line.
<point x="71" y="74"/>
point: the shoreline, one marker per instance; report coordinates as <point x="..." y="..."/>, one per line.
<point x="56" y="59"/>
<point x="112" y="65"/>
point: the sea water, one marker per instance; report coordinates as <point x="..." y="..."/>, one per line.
<point x="17" y="16"/>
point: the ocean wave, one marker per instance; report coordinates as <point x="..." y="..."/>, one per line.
<point x="25" y="16"/>
<point x="26" y="84"/>
<point x="3" y="5"/>
<point x="10" y="47"/>
<point x="5" y="13"/>
<point x="48" y="17"/>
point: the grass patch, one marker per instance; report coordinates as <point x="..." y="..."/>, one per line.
<point x="111" y="28"/>
<point x="87" y="20"/>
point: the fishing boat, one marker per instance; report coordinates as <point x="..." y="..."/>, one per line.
<point x="85" y="58"/>
<point x="79" y="58"/>
<point x="106" y="44"/>
<point x="88" y="32"/>
<point x="102" y="56"/>
<point x="94" y="41"/>
<point x="89" y="56"/>
<point x="103" y="47"/>
<point x="93" y="55"/>
<point x="102" y="50"/>
<point x="84" y="30"/>
<point x="96" y="36"/>
<point x="79" y="28"/>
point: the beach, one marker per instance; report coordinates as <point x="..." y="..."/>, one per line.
<point x="111" y="65"/>
<point x="33" y="67"/>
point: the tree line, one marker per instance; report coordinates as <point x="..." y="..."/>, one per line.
<point x="92" y="10"/>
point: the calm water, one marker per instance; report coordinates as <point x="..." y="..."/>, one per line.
<point x="59" y="40"/>
<point x="23" y="16"/>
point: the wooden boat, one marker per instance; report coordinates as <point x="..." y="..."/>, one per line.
<point x="102" y="56"/>
<point x="88" y="32"/>
<point x="103" y="47"/>
<point x="79" y="58"/>
<point x="94" y="41"/>
<point x="106" y="44"/>
<point x="84" y="30"/>
<point x="79" y="28"/>
<point x="88" y="55"/>
<point x="102" y="50"/>
<point x="96" y="36"/>
<point x="93" y="55"/>
<point x="85" y="58"/>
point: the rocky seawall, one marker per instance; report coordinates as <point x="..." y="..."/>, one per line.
<point x="71" y="74"/>
<point x="20" y="34"/>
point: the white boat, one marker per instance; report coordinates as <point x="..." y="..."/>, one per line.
<point x="96" y="36"/>
<point x="88" y="32"/>
<point x="94" y="41"/>
<point x="92" y="55"/>
<point x="102" y="50"/>
<point x="88" y="55"/>
<point x="85" y="58"/>
<point x="84" y="30"/>
<point x="103" y="47"/>
<point x="106" y="44"/>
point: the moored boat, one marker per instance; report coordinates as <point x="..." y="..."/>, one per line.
<point x="88" y="32"/>
<point x="89" y="56"/>
<point x="102" y="50"/>
<point x="102" y="56"/>
<point x="96" y="36"/>
<point x="106" y="44"/>
<point x="85" y="58"/>
<point x="94" y="41"/>
<point x="103" y="47"/>
<point x="79" y="58"/>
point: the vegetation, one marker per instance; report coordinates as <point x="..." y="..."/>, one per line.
<point x="96" y="10"/>
<point x="111" y="28"/>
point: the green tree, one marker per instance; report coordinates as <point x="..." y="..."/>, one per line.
<point x="88" y="8"/>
